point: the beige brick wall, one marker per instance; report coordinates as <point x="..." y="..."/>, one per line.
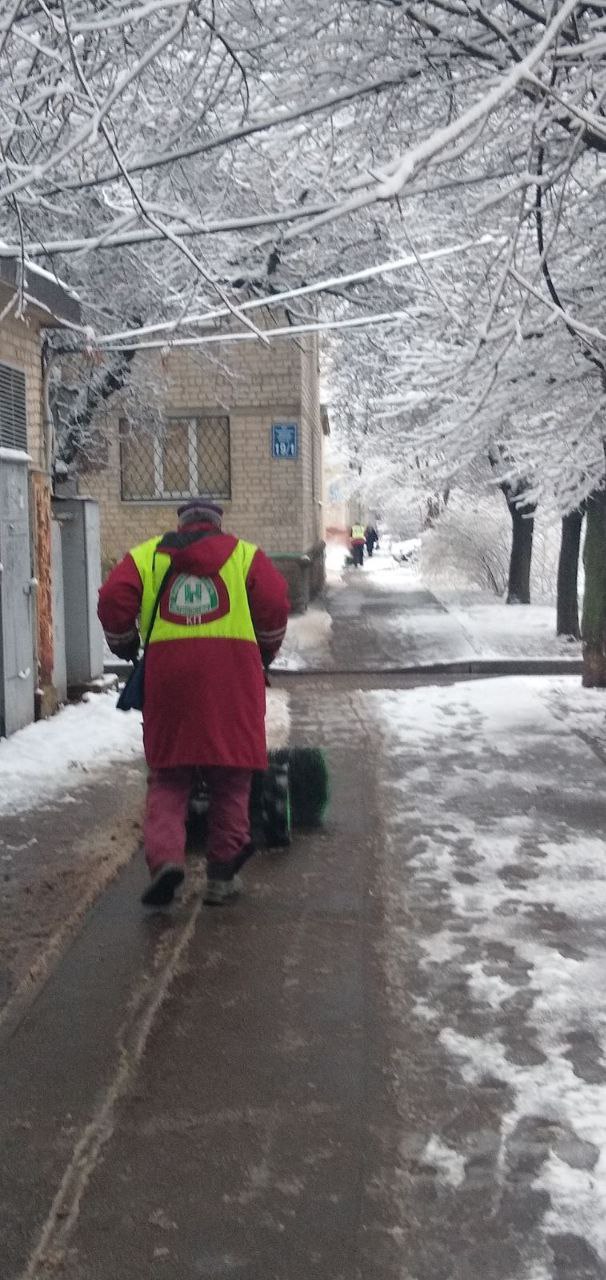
<point x="20" y="347"/>
<point x="275" y="503"/>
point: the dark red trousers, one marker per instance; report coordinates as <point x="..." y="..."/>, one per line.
<point x="168" y="792"/>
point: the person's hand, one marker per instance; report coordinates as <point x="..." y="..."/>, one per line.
<point x="128" y="652"/>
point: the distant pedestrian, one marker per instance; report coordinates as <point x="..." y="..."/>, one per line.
<point x="221" y="618"/>
<point x="371" y="538"/>
<point x="356" y="542"/>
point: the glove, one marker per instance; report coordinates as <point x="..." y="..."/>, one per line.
<point x="128" y="652"/>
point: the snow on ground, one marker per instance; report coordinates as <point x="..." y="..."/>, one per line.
<point x="336" y="555"/>
<point x="307" y="642"/>
<point x="64" y="752"/>
<point x="498" y="814"/>
<point x="471" y="623"/>
<point x="450" y="1165"/>
<point x="277" y="719"/>
<point x="47" y="761"/>
<point x="495" y="629"/>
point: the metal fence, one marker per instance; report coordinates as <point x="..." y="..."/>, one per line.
<point x="190" y="456"/>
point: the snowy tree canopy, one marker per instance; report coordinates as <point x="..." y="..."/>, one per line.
<point x="179" y="161"/>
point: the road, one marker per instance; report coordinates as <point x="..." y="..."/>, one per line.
<point x="267" y="1092"/>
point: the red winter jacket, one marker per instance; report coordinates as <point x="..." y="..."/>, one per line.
<point x="204" y="696"/>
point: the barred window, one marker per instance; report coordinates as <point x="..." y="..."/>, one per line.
<point x="13" y="422"/>
<point x="190" y="456"/>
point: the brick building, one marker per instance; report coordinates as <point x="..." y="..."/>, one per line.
<point x="27" y="606"/>
<point x="243" y="425"/>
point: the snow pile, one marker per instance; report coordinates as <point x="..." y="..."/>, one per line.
<point x="307" y="643"/>
<point x="277" y="719"/>
<point x="65" y="752"/>
<point x="449" y="1164"/>
<point x="47" y="761"/>
<point x="498" y="812"/>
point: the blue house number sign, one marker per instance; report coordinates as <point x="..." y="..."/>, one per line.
<point x="284" y="440"/>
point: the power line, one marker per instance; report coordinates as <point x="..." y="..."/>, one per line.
<point x="272" y="300"/>
<point x="288" y="331"/>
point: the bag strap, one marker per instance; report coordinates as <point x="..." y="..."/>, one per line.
<point x="157" y="606"/>
<point x="172" y="540"/>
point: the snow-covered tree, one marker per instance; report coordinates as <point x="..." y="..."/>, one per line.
<point x="179" y="162"/>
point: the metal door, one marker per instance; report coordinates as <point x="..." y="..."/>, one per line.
<point x="16" y="604"/>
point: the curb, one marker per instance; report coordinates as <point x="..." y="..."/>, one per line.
<point x="474" y="667"/>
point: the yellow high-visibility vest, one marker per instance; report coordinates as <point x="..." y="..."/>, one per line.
<point x="357" y="531"/>
<point x="196" y="605"/>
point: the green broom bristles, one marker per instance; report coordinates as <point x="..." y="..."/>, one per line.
<point x="309" y="783"/>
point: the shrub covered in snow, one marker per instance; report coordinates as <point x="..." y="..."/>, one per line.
<point x="470" y="543"/>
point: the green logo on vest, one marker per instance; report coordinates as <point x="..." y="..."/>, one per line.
<point x="192" y="598"/>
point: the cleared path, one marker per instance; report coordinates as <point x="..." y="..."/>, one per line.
<point x="251" y="1093"/>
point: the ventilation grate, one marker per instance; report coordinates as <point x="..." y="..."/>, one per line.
<point x="13" y="420"/>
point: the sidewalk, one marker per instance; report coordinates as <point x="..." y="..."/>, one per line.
<point x="386" y="1062"/>
<point x="393" y="1039"/>
<point x="384" y="617"/>
<point x="71" y="791"/>
<point x="71" y="800"/>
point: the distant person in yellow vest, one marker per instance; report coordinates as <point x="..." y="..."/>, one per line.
<point x="221" y="618"/>
<point x="356" y="542"/>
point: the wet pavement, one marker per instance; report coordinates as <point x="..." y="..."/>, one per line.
<point x="54" y="861"/>
<point x="254" y="1092"/>
<point x="379" y="625"/>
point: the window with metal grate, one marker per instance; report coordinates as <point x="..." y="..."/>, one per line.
<point x="190" y="456"/>
<point x="13" y="418"/>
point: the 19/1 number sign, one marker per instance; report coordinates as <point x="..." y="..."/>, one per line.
<point x="284" y="440"/>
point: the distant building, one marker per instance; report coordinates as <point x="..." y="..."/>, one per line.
<point x="243" y="425"/>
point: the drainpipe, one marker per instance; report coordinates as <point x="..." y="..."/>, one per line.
<point x="48" y="425"/>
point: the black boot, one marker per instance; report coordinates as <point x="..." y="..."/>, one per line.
<point x="164" y="882"/>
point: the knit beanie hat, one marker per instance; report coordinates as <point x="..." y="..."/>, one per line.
<point x="199" y="511"/>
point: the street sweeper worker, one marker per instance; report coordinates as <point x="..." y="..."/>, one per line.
<point x="356" y="542"/>
<point x="220" y="620"/>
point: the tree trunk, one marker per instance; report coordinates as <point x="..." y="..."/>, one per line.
<point x="594" y="608"/>
<point x="520" y="560"/>
<point x="568" y="574"/>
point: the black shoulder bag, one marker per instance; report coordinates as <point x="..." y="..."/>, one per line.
<point x="131" y="696"/>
